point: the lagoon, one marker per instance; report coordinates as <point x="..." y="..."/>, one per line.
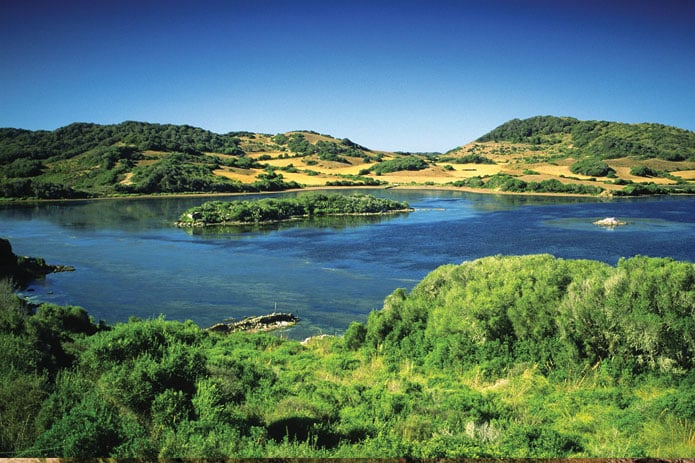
<point x="131" y="260"/>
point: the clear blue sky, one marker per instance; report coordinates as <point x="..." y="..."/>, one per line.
<point x="393" y="75"/>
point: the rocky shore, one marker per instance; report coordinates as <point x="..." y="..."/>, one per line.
<point x="22" y="270"/>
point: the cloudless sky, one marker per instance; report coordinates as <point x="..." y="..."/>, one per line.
<point x="392" y="75"/>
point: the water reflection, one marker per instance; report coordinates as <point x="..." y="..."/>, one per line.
<point x="330" y="222"/>
<point x="132" y="260"/>
<point x="136" y="214"/>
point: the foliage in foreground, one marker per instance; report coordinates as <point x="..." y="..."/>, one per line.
<point x="504" y="356"/>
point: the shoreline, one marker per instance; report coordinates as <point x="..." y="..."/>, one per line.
<point x="482" y="191"/>
<point x="298" y="218"/>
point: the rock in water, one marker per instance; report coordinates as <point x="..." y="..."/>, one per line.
<point x="273" y="321"/>
<point x="609" y="222"/>
<point x="22" y="270"/>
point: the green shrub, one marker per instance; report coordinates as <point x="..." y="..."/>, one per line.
<point x="399" y="164"/>
<point x="591" y="167"/>
<point x="643" y="171"/>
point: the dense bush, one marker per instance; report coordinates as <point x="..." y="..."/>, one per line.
<point x="527" y="356"/>
<point x="177" y="173"/>
<point x="355" y="180"/>
<point x="643" y="171"/>
<point x="576" y="311"/>
<point x="518" y="130"/>
<point x="505" y="182"/>
<point x="399" y="164"/>
<point x="298" y="144"/>
<point x="473" y="159"/>
<point x="22" y="168"/>
<point x="601" y="139"/>
<point x="280" y="139"/>
<point x="591" y="167"/>
<point x="79" y="138"/>
<point x="326" y="150"/>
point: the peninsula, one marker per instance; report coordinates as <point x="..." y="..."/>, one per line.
<point x="270" y="210"/>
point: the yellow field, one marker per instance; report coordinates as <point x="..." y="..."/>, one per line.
<point x="306" y="180"/>
<point x="473" y="170"/>
<point x="277" y="162"/>
<point x="242" y="175"/>
<point x="557" y="171"/>
<point x="685" y="174"/>
<point x="127" y="180"/>
<point x="509" y="158"/>
<point x="624" y="173"/>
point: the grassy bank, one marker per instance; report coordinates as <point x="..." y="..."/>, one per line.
<point x="527" y="356"/>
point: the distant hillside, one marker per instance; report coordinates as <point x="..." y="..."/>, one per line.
<point x="605" y="140"/>
<point x="566" y="155"/>
<point x="90" y="160"/>
<point x="543" y="154"/>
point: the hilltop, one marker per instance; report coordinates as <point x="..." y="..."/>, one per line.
<point x="541" y="154"/>
<point x="90" y="160"/>
<point x="615" y="157"/>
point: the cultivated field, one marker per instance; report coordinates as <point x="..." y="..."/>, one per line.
<point x="516" y="159"/>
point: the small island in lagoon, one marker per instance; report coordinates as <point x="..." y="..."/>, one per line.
<point x="271" y="210"/>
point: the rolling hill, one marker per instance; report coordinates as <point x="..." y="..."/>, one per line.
<point x="543" y="154"/>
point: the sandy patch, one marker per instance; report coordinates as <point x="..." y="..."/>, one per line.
<point x="624" y="172"/>
<point x="241" y="175"/>
<point x="472" y="170"/>
<point x="305" y="179"/>
<point x="557" y="171"/>
<point x="127" y="180"/>
<point x="296" y="162"/>
<point x="155" y="153"/>
<point x="685" y="174"/>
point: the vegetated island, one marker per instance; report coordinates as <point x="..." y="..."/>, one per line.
<point x="270" y="210"/>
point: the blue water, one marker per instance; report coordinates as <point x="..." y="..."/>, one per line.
<point x="130" y="260"/>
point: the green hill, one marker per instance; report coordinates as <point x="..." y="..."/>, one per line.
<point x="90" y="160"/>
<point x="601" y="139"/>
<point x="566" y="155"/>
<point x="544" y="154"/>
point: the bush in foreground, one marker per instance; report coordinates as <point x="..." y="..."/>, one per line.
<point x="527" y="356"/>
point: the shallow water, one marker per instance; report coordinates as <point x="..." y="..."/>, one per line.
<point x="130" y="260"/>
